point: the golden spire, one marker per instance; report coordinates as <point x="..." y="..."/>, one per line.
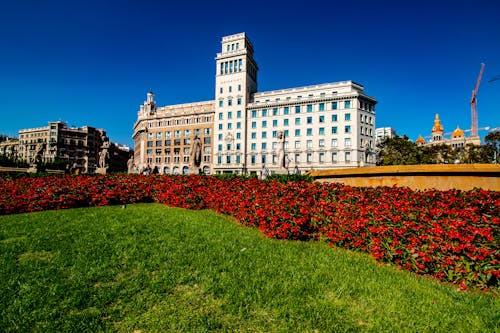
<point x="437" y="125"/>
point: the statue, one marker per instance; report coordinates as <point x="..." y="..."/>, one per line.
<point x="281" y="150"/>
<point x="104" y="155"/>
<point x="130" y="165"/>
<point x="40" y="148"/>
<point x="197" y="153"/>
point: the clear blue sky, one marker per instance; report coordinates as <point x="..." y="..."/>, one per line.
<point x="92" y="62"/>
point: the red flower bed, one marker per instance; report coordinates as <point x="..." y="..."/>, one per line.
<point x="451" y="235"/>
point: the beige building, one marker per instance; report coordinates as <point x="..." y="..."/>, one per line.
<point x="163" y="136"/>
<point x="456" y="138"/>
<point x="78" y="146"/>
<point x="324" y="126"/>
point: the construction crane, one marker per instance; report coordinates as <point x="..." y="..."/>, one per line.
<point x="473" y="103"/>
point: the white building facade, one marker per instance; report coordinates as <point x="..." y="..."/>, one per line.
<point x="325" y="126"/>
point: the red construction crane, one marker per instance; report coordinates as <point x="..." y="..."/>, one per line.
<point x="473" y="104"/>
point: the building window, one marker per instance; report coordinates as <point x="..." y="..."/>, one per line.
<point x="347" y="104"/>
<point x="348" y="157"/>
<point x="275" y="122"/>
<point x="348" y="129"/>
<point x="253" y="146"/>
<point x="334" y="105"/>
<point x="254" y="135"/>
<point x="285" y="122"/>
<point x="309" y="120"/>
<point x="309" y="157"/>
<point x="254" y="113"/>
<point x="347" y="116"/>
<point x="238" y="114"/>
<point x="321" y="157"/>
<point x="322" y="106"/>
<point x="230" y="89"/>
<point x="286" y="110"/>
<point x="297" y="109"/>
<point x="228" y="159"/>
<point x="321" y="119"/>
<point x="275" y="111"/>
<point x="219" y="159"/>
<point x="238" y="101"/>
<point x="264" y="145"/>
<point x="238" y="135"/>
<point x="275" y="134"/>
<point x="264" y="112"/>
<point x="334" y="143"/>
<point x="230" y="115"/>
<point x="221" y="90"/>
<point x="321" y="131"/>
<point x="230" y="102"/>
<point x="347" y="142"/>
<point x="239" y="85"/>
<point x="229" y="126"/>
<point x="297" y="121"/>
<point x="334" y="157"/>
<point x="334" y="130"/>
<point x="220" y="127"/>
<point x="297" y="132"/>
<point x="334" y="118"/>
<point x="264" y="135"/>
<point x="221" y="103"/>
<point x="264" y="123"/>
<point x="309" y="144"/>
<point x="309" y="132"/>
<point x="254" y="124"/>
<point x="219" y="147"/>
<point x="309" y="107"/>
<point x="297" y="144"/>
<point x="238" y="125"/>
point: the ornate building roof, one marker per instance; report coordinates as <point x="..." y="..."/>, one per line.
<point x="457" y="133"/>
<point x="420" y="140"/>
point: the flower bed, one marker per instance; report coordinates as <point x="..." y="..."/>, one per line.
<point x="451" y="235"/>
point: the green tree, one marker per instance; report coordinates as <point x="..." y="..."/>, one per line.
<point x="492" y="143"/>
<point x="398" y="150"/>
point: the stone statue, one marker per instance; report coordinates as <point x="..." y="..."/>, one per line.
<point x="104" y="155"/>
<point x="40" y="148"/>
<point x="197" y="152"/>
<point x="281" y="150"/>
<point x="130" y="165"/>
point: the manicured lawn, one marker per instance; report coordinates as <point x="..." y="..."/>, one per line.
<point x="149" y="267"/>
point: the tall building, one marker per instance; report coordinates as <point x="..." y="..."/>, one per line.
<point x="325" y="126"/>
<point x="384" y="132"/>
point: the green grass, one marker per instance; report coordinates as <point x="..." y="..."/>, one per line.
<point x="151" y="268"/>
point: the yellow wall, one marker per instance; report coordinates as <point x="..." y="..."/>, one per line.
<point x="420" y="177"/>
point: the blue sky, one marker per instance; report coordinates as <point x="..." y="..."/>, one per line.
<point x="92" y="62"/>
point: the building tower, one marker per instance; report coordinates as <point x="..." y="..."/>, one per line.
<point x="235" y="82"/>
<point x="146" y="110"/>
<point x="437" y="130"/>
